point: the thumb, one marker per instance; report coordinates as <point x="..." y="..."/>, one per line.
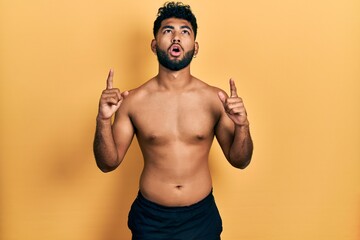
<point x="222" y="97"/>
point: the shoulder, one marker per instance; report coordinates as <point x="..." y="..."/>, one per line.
<point x="135" y="96"/>
<point x="209" y="94"/>
<point x="209" y="90"/>
<point x="139" y="92"/>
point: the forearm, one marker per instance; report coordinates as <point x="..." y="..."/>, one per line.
<point x="104" y="146"/>
<point x="242" y="147"/>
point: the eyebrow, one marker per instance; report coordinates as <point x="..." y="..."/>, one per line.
<point x="187" y="27"/>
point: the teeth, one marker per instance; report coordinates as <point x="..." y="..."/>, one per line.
<point x="176" y="48"/>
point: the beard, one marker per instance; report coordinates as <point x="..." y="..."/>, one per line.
<point x="174" y="65"/>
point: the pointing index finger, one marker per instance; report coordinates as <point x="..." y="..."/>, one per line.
<point x="233" y="91"/>
<point x="109" y="81"/>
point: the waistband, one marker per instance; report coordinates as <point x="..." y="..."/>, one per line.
<point x="209" y="199"/>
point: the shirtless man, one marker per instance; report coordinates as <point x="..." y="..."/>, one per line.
<point x="175" y="117"/>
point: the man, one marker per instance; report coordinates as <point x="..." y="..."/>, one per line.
<point x="175" y="117"/>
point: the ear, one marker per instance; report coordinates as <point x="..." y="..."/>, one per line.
<point x="196" y="48"/>
<point x="153" y="46"/>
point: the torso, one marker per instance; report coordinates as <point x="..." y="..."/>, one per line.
<point x="175" y="130"/>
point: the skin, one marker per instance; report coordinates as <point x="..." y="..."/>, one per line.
<point x="175" y="117"/>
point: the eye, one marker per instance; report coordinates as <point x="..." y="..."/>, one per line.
<point x="186" y="32"/>
<point x="167" y="31"/>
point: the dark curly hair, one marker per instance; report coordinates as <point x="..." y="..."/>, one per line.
<point x="175" y="10"/>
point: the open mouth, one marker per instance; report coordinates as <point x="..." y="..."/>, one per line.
<point x="175" y="50"/>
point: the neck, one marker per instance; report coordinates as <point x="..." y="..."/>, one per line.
<point x="169" y="79"/>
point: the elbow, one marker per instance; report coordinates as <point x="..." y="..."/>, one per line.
<point x="107" y="167"/>
<point x="245" y="164"/>
<point x="106" y="162"/>
<point x="241" y="164"/>
<point x="240" y="160"/>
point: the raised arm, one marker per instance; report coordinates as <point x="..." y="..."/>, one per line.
<point x="232" y="131"/>
<point x="110" y="145"/>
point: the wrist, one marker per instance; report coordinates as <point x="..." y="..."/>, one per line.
<point x="245" y="125"/>
<point x="242" y="128"/>
<point x="103" y="121"/>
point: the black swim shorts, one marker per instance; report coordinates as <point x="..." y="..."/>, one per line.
<point x="150" y="221"/>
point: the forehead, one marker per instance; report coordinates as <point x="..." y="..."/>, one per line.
<point x="175" y="22"/>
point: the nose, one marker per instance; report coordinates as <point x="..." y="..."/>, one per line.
<point x="176" y="36"/>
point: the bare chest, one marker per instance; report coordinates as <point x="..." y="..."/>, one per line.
<point x="183" y="118"/>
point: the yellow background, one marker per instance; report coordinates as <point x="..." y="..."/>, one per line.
<point x="296" y="65"/>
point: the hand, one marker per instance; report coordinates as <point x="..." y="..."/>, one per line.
<point x="111" y="99"/>
<point x="234" y="106"/>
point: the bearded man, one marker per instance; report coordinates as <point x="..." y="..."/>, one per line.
<point x="175" y="117"/>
